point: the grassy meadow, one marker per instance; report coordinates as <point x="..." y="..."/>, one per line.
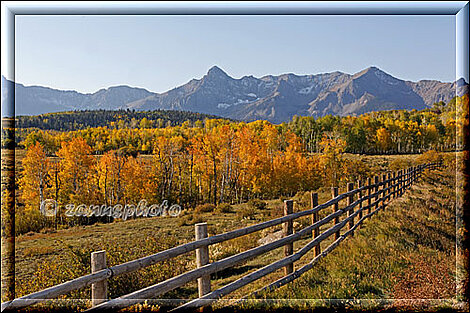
<point x="403" y="258"/>
<point x="404" y="252"/>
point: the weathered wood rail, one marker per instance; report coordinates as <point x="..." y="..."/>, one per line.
<point x="376" y="196"/>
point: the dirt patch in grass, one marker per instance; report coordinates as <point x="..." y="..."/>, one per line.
<point x="426" y="278"/>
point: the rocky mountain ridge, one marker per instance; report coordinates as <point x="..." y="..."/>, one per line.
<point x="272" y="98"/>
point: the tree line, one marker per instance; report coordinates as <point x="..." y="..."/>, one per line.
<point x="390" y="132"/>
<point x="223" y="163"/>
<point x="217" y="160"/>
<point x="385" y="132"/>
<point x="73" y="120"/>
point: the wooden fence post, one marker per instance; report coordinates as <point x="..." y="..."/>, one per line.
<point x="376" y="189"/>
<point x="316" y="231"/>
<point x="99" y="290"/>
<point x="409" y="177"/>
<point x="397" y="183"/>
<point x="202" y="258"/>
<point x="350" y="211"/>
<point x="288" y="230"/>
<point x="404" y="180"/>
<point x="384" y="186"/>
<point x="359" y="185"/>
<point x="334" y="194"/>
<point x="369" y="200"/>
<point x="400" y="182"/>
<point x="408" y="170"/>
<point x="389" y="186"/>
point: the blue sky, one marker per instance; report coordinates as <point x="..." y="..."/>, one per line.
<point x="86" y="53"/>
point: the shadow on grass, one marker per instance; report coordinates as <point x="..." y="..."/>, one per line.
<point x="233" y="271"/>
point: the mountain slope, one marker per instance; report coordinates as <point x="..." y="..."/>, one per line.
<point x="368" y="90"/>
<point x="35" y="100"/>
<point x="273" y="98"/>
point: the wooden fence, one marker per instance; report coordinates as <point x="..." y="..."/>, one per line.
<point x="367" y="198"/>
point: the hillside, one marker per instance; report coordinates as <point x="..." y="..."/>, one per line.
<point x="273" y="98"/>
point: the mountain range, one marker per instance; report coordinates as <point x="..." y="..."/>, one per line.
<point x="272" y="98"/>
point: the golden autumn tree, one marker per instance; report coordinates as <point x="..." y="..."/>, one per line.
<point x="109" y="175"/>
<point x="76" y="172"/>
<point x="331" y="160"/>
<point x="254" y="163"/>
<point x="300" y="171"/>
<point x="137" y="182"/>
<point x="206" y="148"/>
<point x="167" y="156"/>
<point x="55" y="180"/>
<point x="227" y="157"/>
<point x="35" y="180"/>
<point x="429" y="135"/>
<point x="286" y="166"/>
<point x="383" y="139"/>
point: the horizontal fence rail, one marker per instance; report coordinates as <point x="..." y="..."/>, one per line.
<point x="368" y="197"/>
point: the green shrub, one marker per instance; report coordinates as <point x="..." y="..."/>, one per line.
<point x="247" y="212"/>
<point x="430" y="156"/>
<point x="358" y="169"/>
<point x="31" y="220"/>
<point x="224" y="208"/>
<point x="399" y="164"/>
<point x="190" y="220"/>
<point x="204" y="208"/>
<point x="257" y="204"/>
<point x="185" y="220"/>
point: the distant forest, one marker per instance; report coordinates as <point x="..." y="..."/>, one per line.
<point x="134" y="132"/>
<point x="75" y="120"/>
